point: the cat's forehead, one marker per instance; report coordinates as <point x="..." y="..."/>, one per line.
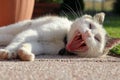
<point x="86" y="20"/>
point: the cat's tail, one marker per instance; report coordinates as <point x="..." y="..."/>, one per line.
<point x="14" y="29"/>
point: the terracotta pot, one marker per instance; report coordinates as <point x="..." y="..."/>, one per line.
<point x="44" y="8"/>
<point x="12" y="11"/>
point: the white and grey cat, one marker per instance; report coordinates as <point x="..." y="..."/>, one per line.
<point x="85" y="37"/>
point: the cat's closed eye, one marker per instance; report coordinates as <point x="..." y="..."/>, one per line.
<point x="97" y="37"/>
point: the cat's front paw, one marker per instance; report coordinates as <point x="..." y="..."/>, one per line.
<point x="3" y="54"/>
<point x="25" y="56"/>
<point x="7" y="54"/>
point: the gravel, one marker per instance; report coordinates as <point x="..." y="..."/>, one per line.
<point x="61" y="68"/>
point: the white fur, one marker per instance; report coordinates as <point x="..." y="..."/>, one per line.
<point x="82" y="24"/>
<point x="45" y="36"/>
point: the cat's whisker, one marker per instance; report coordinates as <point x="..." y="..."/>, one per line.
<point x="77" y="9"/>
<point x="64" y="13"/>
<point x="80" y="11"/>
<point x="71" y="10"/>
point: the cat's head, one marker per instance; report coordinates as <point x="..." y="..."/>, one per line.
<point x="87" y="36"/>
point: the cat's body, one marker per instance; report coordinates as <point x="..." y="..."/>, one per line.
<point x="46" y="34"/>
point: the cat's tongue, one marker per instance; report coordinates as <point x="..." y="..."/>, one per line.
<point x="77" y="44"/>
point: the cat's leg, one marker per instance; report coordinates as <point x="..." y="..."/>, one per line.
<point x="28" y="50"/>
<point x="11" y="49"/>
<point x="7" y="33"/>
<point x="25" y="52"/>
<point x="15" y="28"/>
<point x="5" y="39"/>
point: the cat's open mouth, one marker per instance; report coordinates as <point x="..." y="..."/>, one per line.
<point x="77" y="43"/>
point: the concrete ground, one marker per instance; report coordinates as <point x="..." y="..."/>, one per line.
<point x="61" y="68"/>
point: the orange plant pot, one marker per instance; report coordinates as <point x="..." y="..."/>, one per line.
<point x="12" y="11"/>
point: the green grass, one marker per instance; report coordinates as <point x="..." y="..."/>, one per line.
<point x="115" y="50"/>
<point x="112" y="26"/>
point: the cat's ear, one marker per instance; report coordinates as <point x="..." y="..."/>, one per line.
<point x="111" y="42"/>
<point x="99" y="17"/>
<point x="87" y="16"/>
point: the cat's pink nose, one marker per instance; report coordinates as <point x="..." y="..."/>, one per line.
<point x="85" y="35"/>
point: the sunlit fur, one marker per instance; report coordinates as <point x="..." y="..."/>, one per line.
<point x="45" y="36"/>
<point x="82" y="24"/>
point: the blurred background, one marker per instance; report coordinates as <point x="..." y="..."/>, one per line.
<point x="43" y="7"/>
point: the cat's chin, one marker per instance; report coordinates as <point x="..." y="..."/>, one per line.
<point x="77" y="44"/>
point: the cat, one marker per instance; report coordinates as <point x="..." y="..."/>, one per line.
<point x="45" y="35"/>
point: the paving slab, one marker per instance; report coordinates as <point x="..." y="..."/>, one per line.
<point x="49" y="67"/>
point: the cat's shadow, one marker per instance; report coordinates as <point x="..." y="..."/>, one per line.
<point x="111" y="57"/>
<point x="114" y="55"/>
<point x="56" y="56"/>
